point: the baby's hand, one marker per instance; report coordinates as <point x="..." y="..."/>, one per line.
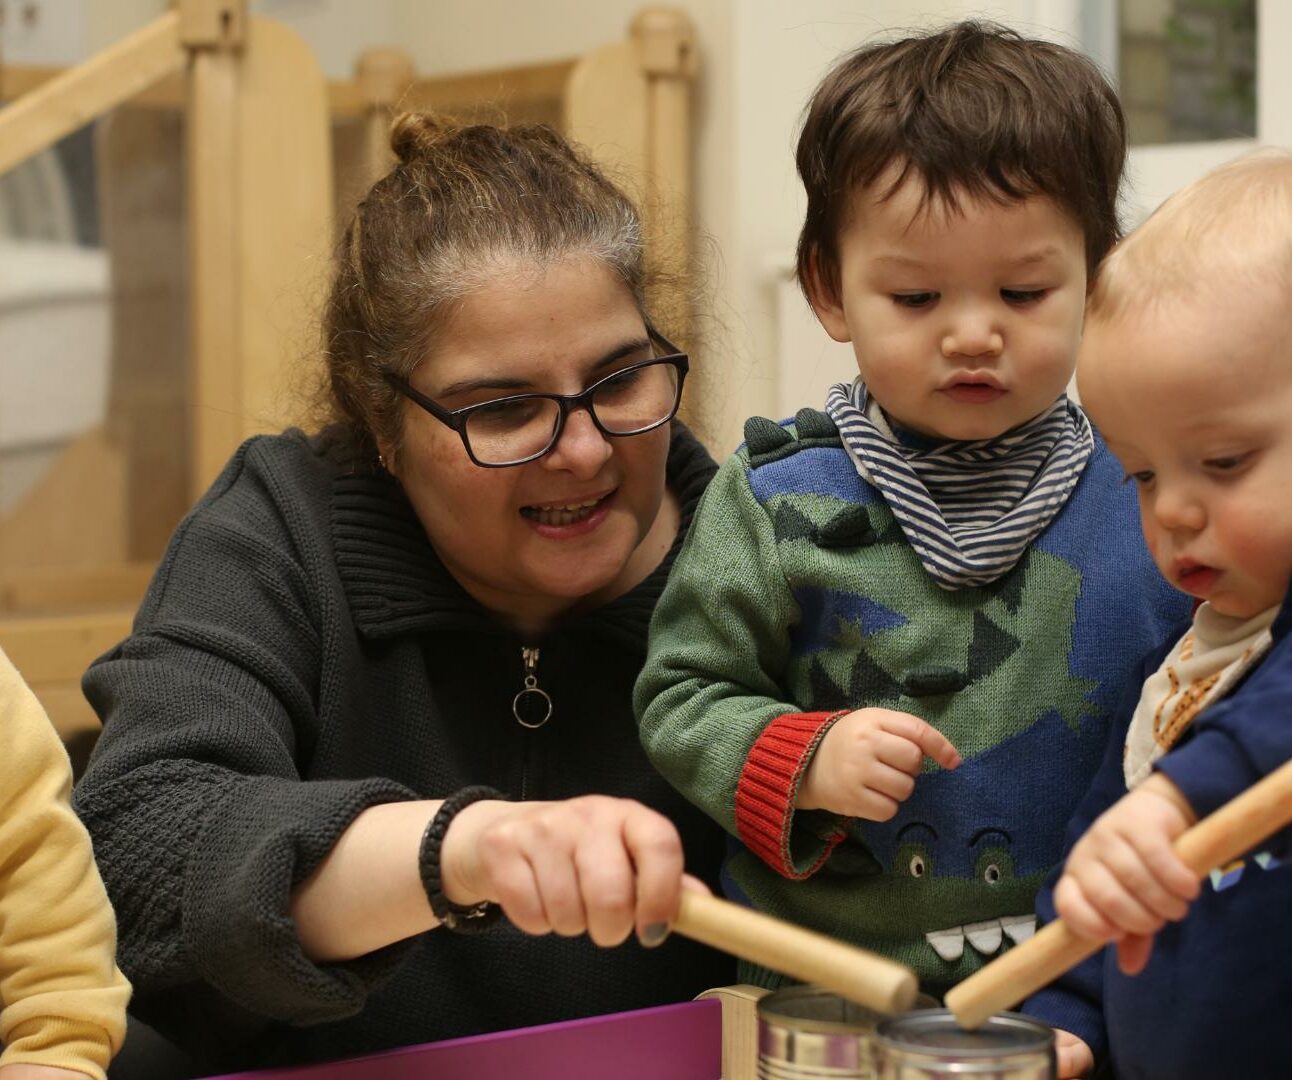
<point x="38" y="1072"/>
<point x="1123" y="880"/>
<point x="867" y="763"/>
<point x="1075" y="1057"/>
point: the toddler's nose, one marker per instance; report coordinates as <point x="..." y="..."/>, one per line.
<point x="972" y="334"/>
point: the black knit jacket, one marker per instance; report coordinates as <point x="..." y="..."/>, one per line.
<point x="302" y="654"/>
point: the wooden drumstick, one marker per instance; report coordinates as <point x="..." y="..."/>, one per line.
<point x="882" y="985"/>
<point x="1237" y="827"/>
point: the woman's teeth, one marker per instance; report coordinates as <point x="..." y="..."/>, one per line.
<point x="560" y="515"/>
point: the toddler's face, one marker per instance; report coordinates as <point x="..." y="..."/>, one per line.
<point x="1196" y="402"/>
<point x="964" y="323"/>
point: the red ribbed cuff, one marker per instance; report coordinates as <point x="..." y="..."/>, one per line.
<point x="768" y="784"/>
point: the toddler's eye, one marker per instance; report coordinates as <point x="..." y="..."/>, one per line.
<point x="1022" y="296"/>
<point x="914" y="300"/>
<point x="1142" y="478"/>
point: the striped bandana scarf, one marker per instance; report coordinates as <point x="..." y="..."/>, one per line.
<point x="968" y="509"/>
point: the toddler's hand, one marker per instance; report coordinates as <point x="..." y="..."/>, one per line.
<point x="1075" y="1057"/>
<point x="867" y="763"/>
<point x="1123" y="880"/>
<point x="38" y="1072"/>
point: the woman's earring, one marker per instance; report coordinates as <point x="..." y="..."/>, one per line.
<point x="382" y="462"/>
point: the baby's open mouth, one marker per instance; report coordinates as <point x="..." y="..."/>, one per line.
<point x="562" y="515"/>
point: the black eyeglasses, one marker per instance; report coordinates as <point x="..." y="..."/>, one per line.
<point x="523" y="427"/>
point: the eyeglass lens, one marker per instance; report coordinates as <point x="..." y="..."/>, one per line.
<point x="623" y="404"/>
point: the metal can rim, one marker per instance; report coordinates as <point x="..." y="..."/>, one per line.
<point x="1034" y="1036"/>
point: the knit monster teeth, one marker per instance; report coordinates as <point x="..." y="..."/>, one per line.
<point x="986" y="937"/>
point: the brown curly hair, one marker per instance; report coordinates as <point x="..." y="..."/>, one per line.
<point x="461" y="205"/>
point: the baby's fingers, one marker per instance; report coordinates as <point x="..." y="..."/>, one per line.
<point x="1075" y="909"/>
<point x="1133" y="952"/>
<point x="1169" y="871"/>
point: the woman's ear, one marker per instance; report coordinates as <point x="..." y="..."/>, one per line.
<point x="824" y="299"/>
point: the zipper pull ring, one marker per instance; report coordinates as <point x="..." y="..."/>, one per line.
<point x="532" y="707"/>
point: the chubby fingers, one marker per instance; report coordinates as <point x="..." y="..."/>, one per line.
<point x="922" y="739"/>
<point x="1075" y="1058"/>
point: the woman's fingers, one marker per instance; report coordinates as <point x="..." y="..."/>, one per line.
<point x="608" y="887"/>
<point x="656" y="852"/>
<point x="594" y="864"/>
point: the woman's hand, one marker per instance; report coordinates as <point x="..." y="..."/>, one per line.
<point x="1123" y="880"/>
<point x="1075" y="1057"/>
<point x="866" y="765"/>
<point x="597" y="864"/>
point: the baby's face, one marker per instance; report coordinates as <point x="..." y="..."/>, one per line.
<point x="1196" y="402"/>
<point x="964" y="323"/>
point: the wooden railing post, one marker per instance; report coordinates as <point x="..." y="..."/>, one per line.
<point x="214" y="32"/>
<point x="665" y="40"/>
<point x="383" y="77"/>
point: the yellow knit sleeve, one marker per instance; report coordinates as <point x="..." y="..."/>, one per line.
<point x="62" y="999"/>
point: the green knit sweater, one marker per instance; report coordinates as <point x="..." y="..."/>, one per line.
<point x="796" y="596"/>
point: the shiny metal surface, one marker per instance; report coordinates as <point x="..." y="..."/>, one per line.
<point x="806" y="1033"/>
<point x="930" y="1045"/>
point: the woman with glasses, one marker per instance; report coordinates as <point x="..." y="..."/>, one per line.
<point x="381" y="684"/>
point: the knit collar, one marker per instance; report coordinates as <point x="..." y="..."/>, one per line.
<point x="396" y="584"/>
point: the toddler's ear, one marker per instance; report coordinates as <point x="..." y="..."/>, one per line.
<point x="825" y="302"/>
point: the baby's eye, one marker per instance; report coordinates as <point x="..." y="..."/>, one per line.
<point x="1141" y="479"/>
<point x="1226" y="464"/>
<point x="914" y="300"/>
<point x="1022" y="296"/>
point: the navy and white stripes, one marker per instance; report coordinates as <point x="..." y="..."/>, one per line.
<point x="968" y="509"/>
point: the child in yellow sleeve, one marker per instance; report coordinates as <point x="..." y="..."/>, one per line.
<point x="62" y="999"/>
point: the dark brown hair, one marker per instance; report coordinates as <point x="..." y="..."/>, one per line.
<point x="972" y="110"/>
<point x="462" y="205"/>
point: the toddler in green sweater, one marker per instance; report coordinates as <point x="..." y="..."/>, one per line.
<point x="887" y="654"/>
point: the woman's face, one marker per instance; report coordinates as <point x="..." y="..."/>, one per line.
<point x="578" y="526"/>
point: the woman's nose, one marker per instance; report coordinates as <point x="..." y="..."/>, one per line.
<point x="973" y="332"/>
<point x="582" y="448"/>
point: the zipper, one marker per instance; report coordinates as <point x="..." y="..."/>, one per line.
<point x="532" y="708"/>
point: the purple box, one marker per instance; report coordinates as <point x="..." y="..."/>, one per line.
<point x="670" y="1042"/>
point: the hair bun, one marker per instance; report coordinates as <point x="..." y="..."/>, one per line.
<point x="413" y="135"/>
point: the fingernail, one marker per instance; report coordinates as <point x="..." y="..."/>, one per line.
<point x="653" y="935"/>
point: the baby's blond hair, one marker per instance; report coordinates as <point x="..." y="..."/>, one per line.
<point x="1231" y="227"/>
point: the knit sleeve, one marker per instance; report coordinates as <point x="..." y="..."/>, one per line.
<point x="64" y="1001"/>
<point x="710" y="700"/>
<point x="1235" y="743"/>
<point x="202" y="822"/>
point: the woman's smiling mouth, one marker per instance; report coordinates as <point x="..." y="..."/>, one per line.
<point x="564" y="514"/>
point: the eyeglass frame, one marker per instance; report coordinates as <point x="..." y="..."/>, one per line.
<point x="457" y="418"/>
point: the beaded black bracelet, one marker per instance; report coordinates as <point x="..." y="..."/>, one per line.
<point x="464" y="920"/>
